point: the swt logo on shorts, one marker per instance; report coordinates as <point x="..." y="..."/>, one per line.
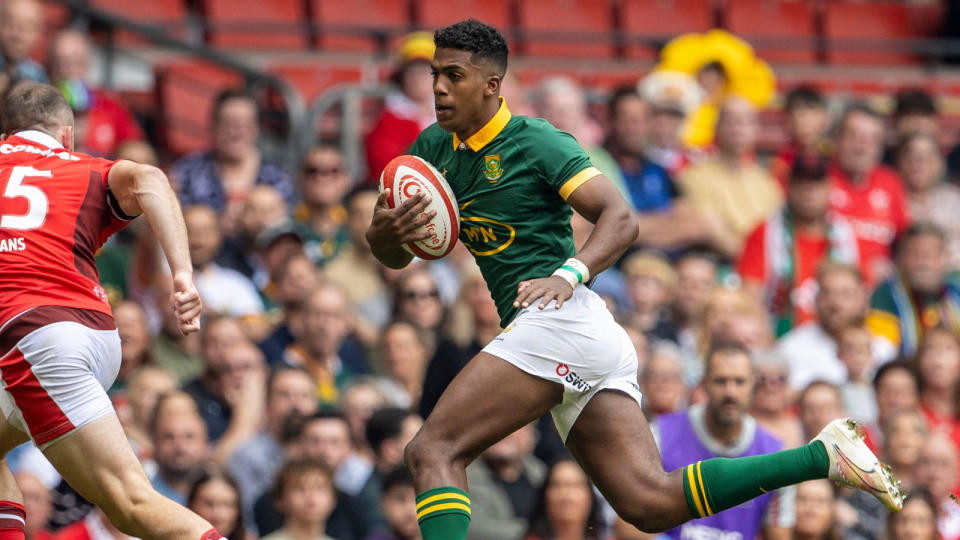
<point x="563" y="371"/>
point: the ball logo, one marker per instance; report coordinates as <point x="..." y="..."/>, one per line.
<point x="562" y="370"/>
<point x="410" y="186"/>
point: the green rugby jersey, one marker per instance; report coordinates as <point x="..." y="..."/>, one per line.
<point x="511" y="180"/>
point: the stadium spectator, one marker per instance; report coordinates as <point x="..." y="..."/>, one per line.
<point x="816" y="512"/>
<point x="181" y="450"/>
<point x="648" y="185"/>
<point x="360" y="399"/>
<point x="37" y="505"/>
<point x="326" y="324"/>
<point x="665" y="145"/>
<point x="811" y="348"/>
<point x="224" y="291"/>
<point x="855" y="351"/>
<point x="323" y="185"/>
<point x="357" y="271"/>
<point x="772" y="400"/>
<point x="938" y="364"/>
<point x="661" y="381"/>
<point x="914" y="113"/>
<point x="21" y="25"/>
<point x="407" y="110"/>
<point x="215" y="497"/>
<point x="418" y="302"/>
<point x="919" y="296"/>
<point x="869" y="194"/>
<point x="145" y="386"/>
<point x="404" y="353"/>
<point x="222" y="177"/>
<point x="651" y="284"/>
<point x="781" y="256"/>
<point x="807" y="122"/>
<point x="723" y="308"/>
<point x="102" y="123"/>
<point x="290" y="391"/>
<point x="134" y="340"/>
<point x="305" y="496"/>
<point x="722" y="427"/>
<point x="263" y="210"/>
<point x="563" y="103"/>
<point x="294" y="280"/>
<point x="932" y="200"/>
<point x="905" y="433"/>
<point x="171" y="350"/>
<point x="897" y="387"/>
<point x="326" y="436"/>
<point x="937" y="473"/>
<point x="729" y="189"/>
<point x="916" y="521"/>
<point x="817" y="405"/>
<point x="696" y="281"/>
<point x="504" y="482"/>
<point x="566" y="506"/>
<point x="398" y="504"/>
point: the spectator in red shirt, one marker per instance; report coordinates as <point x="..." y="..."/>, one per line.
<point x="406" y="111"/>
<point x="781" y="256"/>
<point x="103" y="122"/>
<point x="806" y="124"/>
<point x="869" y="194"/>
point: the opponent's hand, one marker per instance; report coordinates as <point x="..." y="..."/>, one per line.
<point x="186" y="303"/>
<point x="546" y="289"/>
<point x="395" y="227"/>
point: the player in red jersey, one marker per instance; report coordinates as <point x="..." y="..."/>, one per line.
<point x="59" y="347"/>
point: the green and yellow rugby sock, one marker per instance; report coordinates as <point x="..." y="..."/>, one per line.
<point x="443" y="513"/>
<point x="720" y="483"/>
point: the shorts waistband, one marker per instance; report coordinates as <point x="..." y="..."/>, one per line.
<point x="28" y="321"/>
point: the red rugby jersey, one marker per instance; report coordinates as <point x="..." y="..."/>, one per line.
<point x="55" y="213"/>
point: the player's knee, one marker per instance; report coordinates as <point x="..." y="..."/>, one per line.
<point x="424" y="453"/>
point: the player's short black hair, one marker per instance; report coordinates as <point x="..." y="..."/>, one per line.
<point x="804" y="95"/>
<point x="914" y="101"/>
<point x="482" y="40"/>
<point x="39" y="106"/>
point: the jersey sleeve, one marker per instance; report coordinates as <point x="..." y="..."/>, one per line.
<point x="563" y="163"/>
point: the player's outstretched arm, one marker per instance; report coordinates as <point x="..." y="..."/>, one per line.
<point x="615" y="228"/>
<point x="143" y="189"/>
<point x="391" y="228"/>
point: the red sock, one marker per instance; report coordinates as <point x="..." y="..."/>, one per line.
<point x="12" y="516"/>
<point x="212" y="534"/>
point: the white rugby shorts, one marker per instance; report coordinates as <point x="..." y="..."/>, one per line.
<point x="55" y="376"/>
<point x="579" y="345"/>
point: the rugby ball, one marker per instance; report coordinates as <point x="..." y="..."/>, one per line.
<point x="406" y="176"/>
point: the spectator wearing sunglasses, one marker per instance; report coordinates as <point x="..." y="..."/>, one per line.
<point x="324" y="184"/>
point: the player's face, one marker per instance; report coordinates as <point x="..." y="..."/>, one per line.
<point x="460" y="87"/>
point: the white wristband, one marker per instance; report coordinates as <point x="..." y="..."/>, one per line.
<point x="574" y="272"/>
<point x="568" y="276"/>
<point x="578" y="265"/>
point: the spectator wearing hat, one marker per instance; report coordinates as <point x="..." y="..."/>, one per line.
<point x="781" y="256"/>
<point x="323" y="185"/>
<point x="406" y="111"/>
<point x="672" y="96"/>
<point x="102" y="123"/>
<point x="807" y="121"/>
<point x="867" y="193"/>
<point x="931" y="198"/>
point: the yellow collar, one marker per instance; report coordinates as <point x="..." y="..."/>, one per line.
<point x="488" y="132"/>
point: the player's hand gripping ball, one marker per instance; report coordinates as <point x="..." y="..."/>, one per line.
<point x="409" y="179"/>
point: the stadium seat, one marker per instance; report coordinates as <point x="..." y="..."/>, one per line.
<point x="360" y="25"/>
<point x="185" y="92"/>
<point x="261" y="24"/>
<point x="436" y="13"/>
<point x="867" y="33"/>
<point x="168" y="15"/>
<point x="662" y="20"/>
<point x="567" y="28"/>
<point x="311" y="78"/>
<point x="780" y="30"/>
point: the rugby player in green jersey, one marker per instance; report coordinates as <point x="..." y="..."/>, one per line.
<point x="516" y="179"/>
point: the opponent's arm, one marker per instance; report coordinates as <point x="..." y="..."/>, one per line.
<point x="145" y="189"/>
<point x="615" y="228"/>
<point x="391" y="228"/>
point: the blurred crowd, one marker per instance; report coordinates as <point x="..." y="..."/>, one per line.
<point x="767" y="294"/>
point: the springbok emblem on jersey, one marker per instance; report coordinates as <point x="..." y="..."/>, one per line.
<point x="492" y="168"/>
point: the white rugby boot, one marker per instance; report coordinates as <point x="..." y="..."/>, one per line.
<point x="853" y="464"/>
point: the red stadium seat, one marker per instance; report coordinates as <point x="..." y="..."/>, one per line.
<point x="276" y="24"/>
<point x="436" y="13"/>
<point x="874" y="30"/>
<point x="185" y="92"/>
<point x="662" y="20"/>
<point x="785" y="29"/>
<point x="311" y="79"/>
<point x="169" y="15"/>
<point x="567" y="28"/>
<point x="358" y="25"/>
